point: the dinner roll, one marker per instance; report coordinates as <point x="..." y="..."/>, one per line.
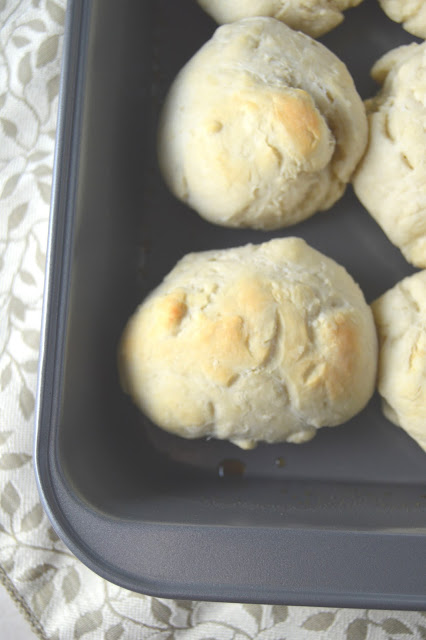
<point x="412" y="14"/>
<point x="256" y="343"/>
<point x="400" y="316"/>
<point x="261" y="128"/>
<point x="314" y="17"/>
<point x="391" y="179"/>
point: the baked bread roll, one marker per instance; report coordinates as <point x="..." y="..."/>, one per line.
<point x="261" y="128"/>
<point x="412" y="14"/>
<point x="391" y="179"/>
<point x="257" y="343"/>
<point x="400" y="316"/>
<point x="314" y="17"/>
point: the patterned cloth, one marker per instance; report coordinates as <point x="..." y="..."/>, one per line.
<point x="60" y="597"/>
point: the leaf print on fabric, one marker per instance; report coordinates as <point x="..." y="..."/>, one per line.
<point x="357" y="629"/>
<point x="26" y="402"/>
<point x="160" y="611"/>
<point x="34" y="573"/>
<point x="56" y="12"/>
<point x="254" y="610"/>
<point x="52" y="535"/>
<point x="20" y="41"/>
<point x="9" y="499"/>
<point x="319" y="621"/>
<point x="87" y="623"/>
<point x="30" y="366"/>
<point x="36" y="25"/>
<point x="115" y="632"/>
<point x="279" y="613"/>
<point x="5" y="378"/>
<point x="17" y="308"/>
<point x="31" y="338"/>
<point x="186" y="605"/>
<point x="10" y="461"/>
<point x="10" y="185"/>
<point x="41" y="598"/>
<point x="38" y="155"/>
<point x="47" y="51"/>
<point x="393" y="626"/>
<point x="53" y="88"/>
<point x="32" y="518"/>
<point x="40" y="259"/>
<point x="71" y="585"/>
<point x="45" y="190"/>
<point x="16" y="216"/>
<point x="42" y="170"/>
<point x="27" y="277"/>
<point x="25" y="73"/>
<point x="9" y="128"/>
<point x="5" y="435"/>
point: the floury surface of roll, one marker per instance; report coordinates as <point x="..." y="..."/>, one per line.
<point x="261" y="128"/>
<point x="314" y="17"/>
<point x="411" y="13"/>
<point x="391" y="179"/>
<point x="400" y="316"/>
<point x="258" y="343"/>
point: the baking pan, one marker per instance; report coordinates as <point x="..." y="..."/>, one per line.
<point x="339" y="521"/>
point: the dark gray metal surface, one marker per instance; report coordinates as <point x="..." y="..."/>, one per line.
<point x="341" y="521"/>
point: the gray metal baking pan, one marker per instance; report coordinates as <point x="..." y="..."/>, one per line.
<point x="339" y="521"/>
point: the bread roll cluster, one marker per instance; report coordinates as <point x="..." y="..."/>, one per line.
<point x="391" y="184"/>
<point x="262" y="128"/>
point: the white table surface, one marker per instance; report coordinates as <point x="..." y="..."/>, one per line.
<point x="13" y="625"/>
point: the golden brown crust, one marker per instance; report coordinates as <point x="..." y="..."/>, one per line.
<point x="298" y="115"/>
